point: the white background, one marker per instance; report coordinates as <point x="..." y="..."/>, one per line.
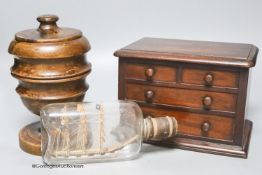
<point x="110" y="25"/>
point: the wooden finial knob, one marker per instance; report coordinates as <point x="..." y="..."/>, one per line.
<point x="48" y="23"/>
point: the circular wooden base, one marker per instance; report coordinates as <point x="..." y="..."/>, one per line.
<point x="30" y="138"/>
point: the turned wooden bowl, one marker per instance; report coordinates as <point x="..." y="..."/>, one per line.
<point x="51" y="67"/>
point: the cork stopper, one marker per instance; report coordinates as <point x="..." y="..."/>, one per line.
<point x="159" y="128"/>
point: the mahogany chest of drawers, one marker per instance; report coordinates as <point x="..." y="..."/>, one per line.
<point x="202" y="84"/>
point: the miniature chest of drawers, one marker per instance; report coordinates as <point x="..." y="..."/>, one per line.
<point x="202" y="84"/>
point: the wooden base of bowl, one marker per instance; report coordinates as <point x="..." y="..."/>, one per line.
<point x="30" y="138"/>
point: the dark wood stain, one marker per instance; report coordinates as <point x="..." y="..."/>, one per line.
<point x="51" y="67"/>
<point x="203" y="84"/>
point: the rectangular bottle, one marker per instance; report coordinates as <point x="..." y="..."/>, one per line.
<point x="98" y="132"/>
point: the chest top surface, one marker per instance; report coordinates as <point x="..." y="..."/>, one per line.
<point x="202" y="52"/>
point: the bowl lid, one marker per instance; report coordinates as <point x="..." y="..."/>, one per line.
<point x="49" y="41"/>
<point x="48" y="31"/>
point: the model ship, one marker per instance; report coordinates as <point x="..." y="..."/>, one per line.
<point x="92" y="132"/>
<point x="73" y="137"/>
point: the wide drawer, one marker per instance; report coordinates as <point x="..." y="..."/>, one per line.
<point x="182" y="97"/>
<point x="210" y="78"/>
<point x="193" y="124"/>
<point x="150" y="72"/>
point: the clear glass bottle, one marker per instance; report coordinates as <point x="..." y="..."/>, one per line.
<point x="98" y="132"/>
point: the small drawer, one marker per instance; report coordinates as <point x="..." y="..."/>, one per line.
<point x="150" y="72"/>
<point x="210" y="77"/>
<point x="193" y="124"/>
<point x="203" y="100"/>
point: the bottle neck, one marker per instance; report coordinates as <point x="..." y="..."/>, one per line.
<point x="159" y="128"/>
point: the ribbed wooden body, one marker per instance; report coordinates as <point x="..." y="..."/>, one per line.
<point x="43" y="81"/>
<point x="51" y="67"/>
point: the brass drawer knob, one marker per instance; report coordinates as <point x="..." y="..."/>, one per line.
<point x="209" y="78"/>
<point x="206" y="126"/>
<point x="207" y="102"/>
<point x="149" y="95"/>
<point x="149" y="73"/>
